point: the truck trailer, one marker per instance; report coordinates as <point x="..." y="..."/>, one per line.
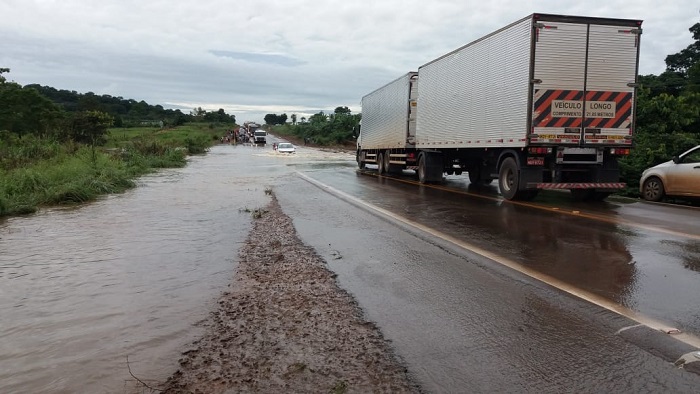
<point x="547" y="102"/>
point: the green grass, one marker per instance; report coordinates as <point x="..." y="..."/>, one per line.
<point x="36" y="173"/>
<point x="64" y="179"/>
<point x="195" y="137"/>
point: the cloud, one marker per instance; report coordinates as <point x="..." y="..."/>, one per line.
<point x="260" y="55"/>
<point x="267" y="58"/>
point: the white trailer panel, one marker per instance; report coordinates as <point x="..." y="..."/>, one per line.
<point x="585" y="72"/>
<point x="611" y="58"/>
<point x="385" y="115"/>
<point x="477" y="96"/>
<point x="560" y="56"/>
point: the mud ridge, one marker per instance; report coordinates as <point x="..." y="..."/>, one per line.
<point x="286" y="326"/>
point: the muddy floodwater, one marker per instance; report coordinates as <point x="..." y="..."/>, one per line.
<point x="131" y="275"/>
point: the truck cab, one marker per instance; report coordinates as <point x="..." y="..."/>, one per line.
<point x="260" y="137"/>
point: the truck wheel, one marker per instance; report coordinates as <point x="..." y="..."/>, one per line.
<point x="391" y="169"/>
<point x="422" y="171"/>
<point x="476" y="178"/>
<point x="509" y="179"/>
<point x="380" y="164"/>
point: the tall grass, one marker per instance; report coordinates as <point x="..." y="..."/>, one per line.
<point x="16" y="153"/>
<point x="196" y="138"/>
<point x="36" y="172"/>
<point x="64" y="179"/>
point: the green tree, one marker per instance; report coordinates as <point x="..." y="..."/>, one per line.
<point x="89" y="102"/>
<point x="198" y="113"/>
<point x="273" y="119"/>
<point x="342" y="110"/>
<point x="668" y="113"/>
<point x="294" y="119"/>
<point x="25" y="111"/>
<point x="318" y="118"/>
<point x="90" y="127"/>
<point x="682" y="61"/>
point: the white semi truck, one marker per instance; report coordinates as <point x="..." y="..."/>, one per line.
<point x="547" y="102"/>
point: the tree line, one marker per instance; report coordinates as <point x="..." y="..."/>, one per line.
<point x="668" y="113"/>
<point x="320" y="128"/>
<point x="44" y="111"/>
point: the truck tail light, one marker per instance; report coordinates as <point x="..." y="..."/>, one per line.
<point x="539" y="150"/>
<point x="620" y="151"/>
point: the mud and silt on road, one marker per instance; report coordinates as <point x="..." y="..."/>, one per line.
<point x="286" y="326"/>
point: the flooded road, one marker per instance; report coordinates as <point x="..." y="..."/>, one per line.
<point x="83" y="288"/>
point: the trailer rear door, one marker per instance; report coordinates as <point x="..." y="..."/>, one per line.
<point x="584" y="75"/>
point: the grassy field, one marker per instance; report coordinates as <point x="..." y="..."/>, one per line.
<point x="38" y="172"/>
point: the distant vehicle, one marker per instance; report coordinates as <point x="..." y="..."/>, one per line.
<point x="679" y="177"/>
<point x="285" y="147"/>
<point x="260" y="137"/>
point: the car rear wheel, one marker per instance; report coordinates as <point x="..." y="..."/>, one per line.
<point x="653" y="189"/>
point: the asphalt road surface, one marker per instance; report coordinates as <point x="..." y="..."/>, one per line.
<point x="482" y="295"/>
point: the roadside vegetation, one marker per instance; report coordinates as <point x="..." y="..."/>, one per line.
<point x="52" y="156"/>
<point x="338" y="128"/>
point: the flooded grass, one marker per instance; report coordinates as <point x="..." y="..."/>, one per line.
<point x="39" y="172"/>
<point x="195" y="138"/>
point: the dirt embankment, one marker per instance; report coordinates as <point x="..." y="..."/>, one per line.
<point x="286" y="326"/>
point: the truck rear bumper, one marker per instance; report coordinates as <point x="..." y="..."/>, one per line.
<point x="607" y="186"/>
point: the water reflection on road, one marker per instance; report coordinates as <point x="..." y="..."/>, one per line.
<point x="652" y="272"/>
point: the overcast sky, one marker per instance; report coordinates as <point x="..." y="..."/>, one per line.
<point x="253" y="57"/>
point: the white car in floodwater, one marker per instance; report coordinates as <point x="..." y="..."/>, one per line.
<point x="286" y="147"/>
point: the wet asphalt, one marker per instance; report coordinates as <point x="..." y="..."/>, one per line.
<point x="464" y="323"/>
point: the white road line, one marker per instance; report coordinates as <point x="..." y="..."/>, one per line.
<point x="554" y="282"/>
